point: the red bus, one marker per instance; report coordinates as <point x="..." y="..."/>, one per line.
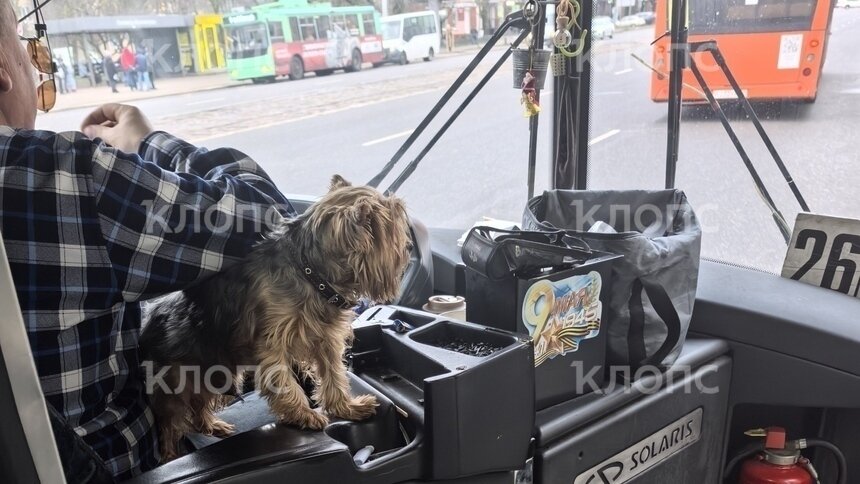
<point x="774" y="48"/>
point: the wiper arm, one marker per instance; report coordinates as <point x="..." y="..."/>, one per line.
<point x="711" y="46"/>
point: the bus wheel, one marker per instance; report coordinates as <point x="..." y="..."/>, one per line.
<point x="430" y="55"/>
<point x="297" y="68"/>
<point x="355" y="64"/>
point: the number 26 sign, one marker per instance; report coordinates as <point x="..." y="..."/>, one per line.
<point x="825" y="251"/>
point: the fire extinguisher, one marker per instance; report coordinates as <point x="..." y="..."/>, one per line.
<point x="779" y="461"/>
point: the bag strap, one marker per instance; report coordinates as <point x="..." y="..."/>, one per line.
<point x="662" y="304"/>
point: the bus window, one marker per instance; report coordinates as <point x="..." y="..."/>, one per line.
<point x="430" y="26"/>
<point x="246" y="40"/>
<point x="411" y="28"/>
<point x="352" y="24"/>
<point x="391" y="29"/>
<point x="369" y="24"/>
<point x="728" y="16"/>
<point x="276" y="31"/>
<point x="323" y="26"/>
<point x="295" y="31"/>
<point x="308" y="28"/>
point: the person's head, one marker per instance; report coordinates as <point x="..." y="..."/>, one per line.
<point x="17" y="86"/>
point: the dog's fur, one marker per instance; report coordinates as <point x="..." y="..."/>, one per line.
<point x="264" y="312"/>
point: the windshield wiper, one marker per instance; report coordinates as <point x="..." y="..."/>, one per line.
<point x="682" y="58"/>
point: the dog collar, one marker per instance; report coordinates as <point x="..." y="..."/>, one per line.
<point x="323" y="288"/>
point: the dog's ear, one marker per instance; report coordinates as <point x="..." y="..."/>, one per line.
<point x="361" y="213"/>
<point x="338" y="181"/>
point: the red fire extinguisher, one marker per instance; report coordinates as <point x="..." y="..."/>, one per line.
<point x="778" y="461"/>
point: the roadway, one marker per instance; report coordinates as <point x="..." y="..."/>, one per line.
<point x="304" y="131"/>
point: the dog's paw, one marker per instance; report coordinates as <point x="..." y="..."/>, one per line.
<point x="358" y="408"/>
<point x="167" y="457"/>
<point x="220" y="428"/>
<point x="308" y="419"/>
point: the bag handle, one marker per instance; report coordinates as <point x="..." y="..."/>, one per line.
<point x="662" y="304"/>
<point x="495" y="258"/>
<point x="559" y="238"/>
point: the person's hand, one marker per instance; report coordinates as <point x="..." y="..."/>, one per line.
<point x="119" y="125"/>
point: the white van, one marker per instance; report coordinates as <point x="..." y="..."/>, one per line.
<point x="410" y="36"/>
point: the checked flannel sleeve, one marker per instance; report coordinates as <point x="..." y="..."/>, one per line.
<point x="88" y="232"/>
<point x="183" y="214"/>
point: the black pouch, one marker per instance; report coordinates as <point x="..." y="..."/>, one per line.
<point x="521" y="252"/>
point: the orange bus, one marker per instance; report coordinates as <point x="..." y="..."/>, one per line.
<point x="774" y="48"/>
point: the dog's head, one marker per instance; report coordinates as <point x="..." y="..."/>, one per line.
<point x="360" y="238"/>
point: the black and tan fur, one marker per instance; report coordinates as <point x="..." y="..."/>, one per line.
<point x="263" y="312"/>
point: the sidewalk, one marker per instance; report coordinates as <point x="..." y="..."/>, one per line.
<point x="95" y="96"/>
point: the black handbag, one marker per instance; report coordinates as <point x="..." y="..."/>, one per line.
<point x="521" y="252"/>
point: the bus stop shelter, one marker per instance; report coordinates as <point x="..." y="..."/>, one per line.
<point x="88" y="39"/>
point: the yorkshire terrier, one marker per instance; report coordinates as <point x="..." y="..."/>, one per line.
<point x="287" y="306"/>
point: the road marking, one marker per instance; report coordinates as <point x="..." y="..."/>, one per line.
<point x="205" y="101"/>
<point x="388" y="138"/>
<point x="623" y="71"/>
<point x="605" y="136"/>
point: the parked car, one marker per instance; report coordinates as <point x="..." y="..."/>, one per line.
<point x="629" y="22"/>
<point x="602" y="27"/>
<point x="649" y="17"/>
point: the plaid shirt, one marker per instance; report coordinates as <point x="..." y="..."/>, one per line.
<point x="90" y="232"/>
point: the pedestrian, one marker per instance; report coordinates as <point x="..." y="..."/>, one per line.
<point x="126" y="63"/>
<point x="60" y="75"/>
<point x="449" y="37"/>
<point x="109" y="68"/>
<point x="71" y="82"/>
<point x="142" y="71"/>
<point x="78" y="206"/>
<point x="84" y="71"/>
<point x="150" y="64"/>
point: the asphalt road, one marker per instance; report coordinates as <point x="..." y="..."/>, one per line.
<point x="303" y="132"/>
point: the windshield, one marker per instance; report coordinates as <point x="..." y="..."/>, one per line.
<point x="391" y="29"/>
<point x="308" y="112"/>
<point x="246" y="40"/>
